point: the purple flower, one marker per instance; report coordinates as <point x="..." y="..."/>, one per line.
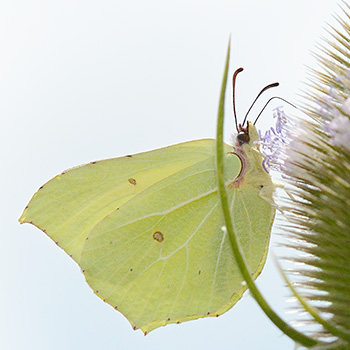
<point x="274" y="141"/>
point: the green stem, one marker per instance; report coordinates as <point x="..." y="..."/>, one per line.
<point x="282" y="325"/>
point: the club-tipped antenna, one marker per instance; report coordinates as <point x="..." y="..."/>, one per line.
<point x="233" y="94"/>
<point x="272" y="98"/>
<point x="263" y="90"/>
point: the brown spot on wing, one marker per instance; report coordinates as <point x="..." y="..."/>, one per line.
<point x="158" y="236"/>
<point x="132" y="181"/>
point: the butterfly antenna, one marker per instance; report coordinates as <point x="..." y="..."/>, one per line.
<point x="263" y="90"/>
<point x="272" y="98"/>
<point x="233" y="94"/>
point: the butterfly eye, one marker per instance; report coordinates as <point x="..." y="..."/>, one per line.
<point x="243" y="137"/>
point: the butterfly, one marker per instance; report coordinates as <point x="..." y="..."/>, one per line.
<point x="148" y="231"/>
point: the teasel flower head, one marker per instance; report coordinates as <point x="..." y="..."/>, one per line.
<point x="312" y="154"/>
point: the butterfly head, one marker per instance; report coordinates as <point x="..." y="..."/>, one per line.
<point x="243" y="135"/>
<point x="246" y="134"/>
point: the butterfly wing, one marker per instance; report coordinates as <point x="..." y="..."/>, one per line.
<point x="147" y="231"/>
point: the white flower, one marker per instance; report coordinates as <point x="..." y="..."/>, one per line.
<point x="346" y="106"/>
<point x="339" y="128"/>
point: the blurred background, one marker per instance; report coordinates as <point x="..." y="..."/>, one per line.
<point x="87" y="80"/>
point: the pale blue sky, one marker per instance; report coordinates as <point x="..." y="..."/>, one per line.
<point x="87" y="80"/>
